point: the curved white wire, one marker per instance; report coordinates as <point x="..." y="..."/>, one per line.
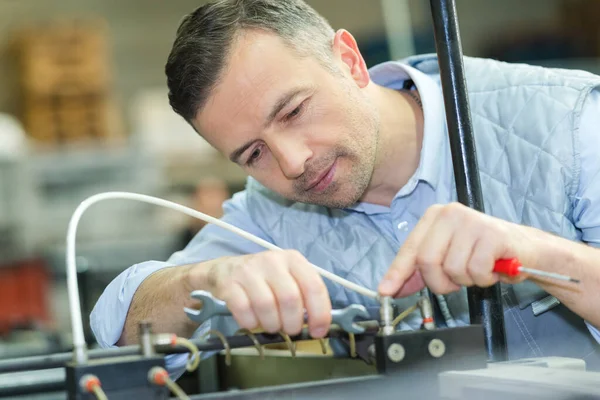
<point x="80" y="355"/>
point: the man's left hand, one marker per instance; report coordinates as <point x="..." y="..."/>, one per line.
<point x="454" y="246"/>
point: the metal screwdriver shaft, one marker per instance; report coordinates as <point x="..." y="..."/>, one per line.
<point x="513" y="267"/>
<point x="552" y="275"/>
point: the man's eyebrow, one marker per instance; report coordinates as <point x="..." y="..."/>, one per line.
<point x="283" y="101"/>
<point x="280" y="104"/>
<point x="240" y="150"/>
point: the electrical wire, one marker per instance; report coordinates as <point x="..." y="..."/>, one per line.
<point x="159" y="376"/>
<point x="99" y="393"/>
<point x="79" y="351"/>
<point x="194" y="357"/>
<point x="176" y="389"/>
<point x="404" y="314"/>
<point x="91" y="384"/>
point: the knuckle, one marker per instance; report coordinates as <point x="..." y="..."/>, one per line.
<point x="452" y="211"/>
<point x="453" y="269"/>
<point x="427" y="261"/>
<point x="293" y="254"/>
<point x="221" y="289"/>
<point x="244" y="270"/>
<point x="269" y="257"/>
<point x="290" y="299"/>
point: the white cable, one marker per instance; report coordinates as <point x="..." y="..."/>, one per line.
<point x="72" y="287"/>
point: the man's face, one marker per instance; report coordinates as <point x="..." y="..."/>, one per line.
<point x="300" y="129"/>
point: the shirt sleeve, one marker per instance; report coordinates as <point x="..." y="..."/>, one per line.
<point x="108" y="316"/>
<point x="586" y="210"/>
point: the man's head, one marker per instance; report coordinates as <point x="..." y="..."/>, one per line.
<point x="272" y="86"/>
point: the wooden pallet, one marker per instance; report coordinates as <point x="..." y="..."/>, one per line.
<point x="63" y="57"/>
<point x="67" y="118"/>
<point x="65" y="82"/>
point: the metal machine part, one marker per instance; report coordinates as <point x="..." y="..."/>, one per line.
<point x="387" y="315"/>
<point x="345" y="318"/>
<point x="145" y="329"/>
<point x="520" y="383"/>
<point x="485" y="304"/>
<point x="122" y="378"/>
<point x="423" y="353"/>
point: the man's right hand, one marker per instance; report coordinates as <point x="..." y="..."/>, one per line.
<point x="270" y="290"/>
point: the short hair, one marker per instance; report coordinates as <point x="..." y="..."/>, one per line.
<point x="205" y="37"/>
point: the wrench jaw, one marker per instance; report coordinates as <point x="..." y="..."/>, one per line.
<point x="346" y="318"/>
<point x="194" y="315"/>
<point x="199" y="316"/>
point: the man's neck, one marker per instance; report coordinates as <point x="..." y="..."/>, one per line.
<point x="400" y="142"/>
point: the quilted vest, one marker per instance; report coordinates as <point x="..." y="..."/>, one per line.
<point x="525" y="122"/>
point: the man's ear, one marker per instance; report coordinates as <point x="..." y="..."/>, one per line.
<point x="346" y="50"/>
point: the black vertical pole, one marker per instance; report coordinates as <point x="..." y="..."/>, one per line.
<point x="485" y="304"/>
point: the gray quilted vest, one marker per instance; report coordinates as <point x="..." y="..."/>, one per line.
<point x="525" y="121"/>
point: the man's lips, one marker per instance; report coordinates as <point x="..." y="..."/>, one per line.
<point x="323" y="180"/>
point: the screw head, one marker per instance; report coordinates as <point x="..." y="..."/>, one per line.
<point x="396" y="352"/>
<point x="437" y="348"/>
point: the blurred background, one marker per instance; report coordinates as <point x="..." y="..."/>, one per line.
<point x="83" y="110"/>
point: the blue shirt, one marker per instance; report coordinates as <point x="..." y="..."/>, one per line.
<point x="431" y="183"/>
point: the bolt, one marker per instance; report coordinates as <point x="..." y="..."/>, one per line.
<point x="437" y="348"/>
<point x="396" y="352"/>
<point x="387" y="315"/>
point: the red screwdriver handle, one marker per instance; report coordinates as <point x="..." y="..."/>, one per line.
<point x="508" y="266"/>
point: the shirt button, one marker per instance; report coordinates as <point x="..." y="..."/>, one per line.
<point x="403" y="226"/>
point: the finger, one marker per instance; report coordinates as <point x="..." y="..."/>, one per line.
<point x="481" y="263"/>
<point x="239" y="304"/>
<point x="315" y="298"/>
<point x="458" y="255"/>
<point x="404" y="265"/>
<point x="432" y="252"/>
<point x="289" y="300"/>
<point x="261" y="297"/>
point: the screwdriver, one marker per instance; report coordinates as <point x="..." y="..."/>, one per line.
<point x="512" y="267"/>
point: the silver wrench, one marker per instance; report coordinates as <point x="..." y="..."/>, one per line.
<point x="345" y="318"/>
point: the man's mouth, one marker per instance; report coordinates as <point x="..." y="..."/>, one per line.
<point x="324" y="179"/>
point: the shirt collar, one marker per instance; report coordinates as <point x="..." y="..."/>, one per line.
<point x="393" y="74"/>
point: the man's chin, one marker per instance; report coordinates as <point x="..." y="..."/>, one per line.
<point x="331" y="200"/>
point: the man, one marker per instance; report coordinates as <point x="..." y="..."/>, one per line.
<point x="352" y="169"/>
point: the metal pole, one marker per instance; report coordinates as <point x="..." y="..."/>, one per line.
<point x="485" y="304"/>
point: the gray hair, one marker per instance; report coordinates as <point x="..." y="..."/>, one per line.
<point x="205" y="37"/>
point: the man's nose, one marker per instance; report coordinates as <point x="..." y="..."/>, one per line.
<point x="291" y="156"/>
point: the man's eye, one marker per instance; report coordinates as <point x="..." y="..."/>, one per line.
<point x="254" y="156"/>
<point x="295" y="112"/>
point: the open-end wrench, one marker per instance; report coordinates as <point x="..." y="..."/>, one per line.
<point x="211" y="307"/>
<point x="345" y="318"/>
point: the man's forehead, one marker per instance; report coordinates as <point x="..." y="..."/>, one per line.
<point x="256" y="76"/>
